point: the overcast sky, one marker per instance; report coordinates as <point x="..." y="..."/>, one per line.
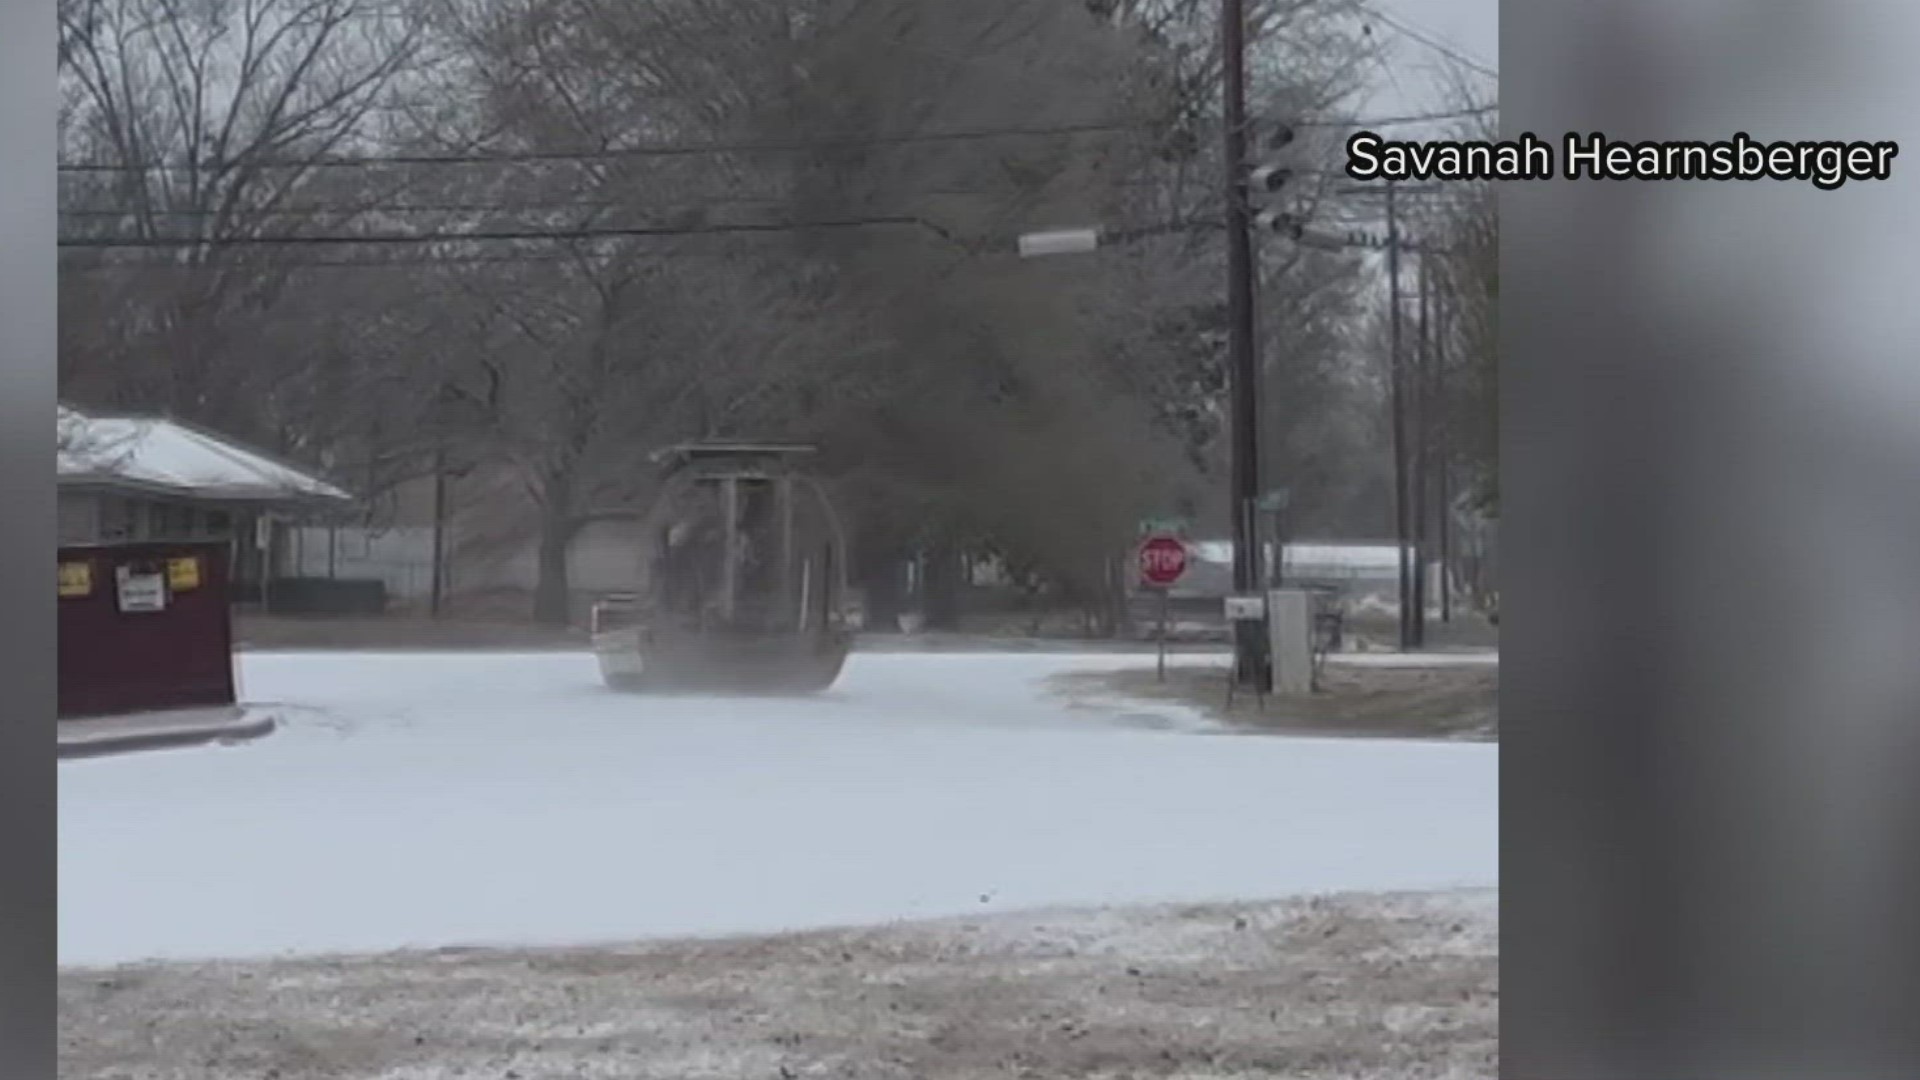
<point x="1414" y="78"/>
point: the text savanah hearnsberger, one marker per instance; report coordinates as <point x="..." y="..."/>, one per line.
<point x="1827" y="164"/>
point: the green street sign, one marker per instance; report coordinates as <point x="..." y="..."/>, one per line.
<point x="1169" y="526"/>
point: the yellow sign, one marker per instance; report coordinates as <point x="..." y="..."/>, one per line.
<point x="183" y="573"/>
<point x="76" y="579"/>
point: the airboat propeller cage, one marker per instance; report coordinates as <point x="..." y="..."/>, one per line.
<point x="809" y="574"/>
<point x="743" y="577"/>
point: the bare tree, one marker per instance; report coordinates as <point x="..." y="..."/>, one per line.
<point x="189" y="124"/>
<point x="815" y="205"/>
<point x="937" y="320"/>
<point x="1470" y="281"/>
<point x="1308" y="62"/>
<point x="586" y="354"/>
<point x="1055" y="383"/>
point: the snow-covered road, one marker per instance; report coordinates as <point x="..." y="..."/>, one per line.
<point x="441" y="799"/>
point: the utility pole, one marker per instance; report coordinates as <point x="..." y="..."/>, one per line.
<point x="1398" y="406"/>
<point x="1422" y="438"/>
<point x="1250" y="653"/>
<point x="1410" y="449"/>
<point x="1444" y="451"/>
<point x="438" y="586"/>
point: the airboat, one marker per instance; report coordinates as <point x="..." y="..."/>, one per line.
<point x="742" y="581"/>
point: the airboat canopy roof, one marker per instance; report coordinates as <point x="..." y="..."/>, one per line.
<point x="714" y="452"/>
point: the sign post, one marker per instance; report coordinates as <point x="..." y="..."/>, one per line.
<point x="1241" y="610"/>
<point x="1273" y="506"/>
<point x="1162" y="560"/>
<point x="1160" y="669"/>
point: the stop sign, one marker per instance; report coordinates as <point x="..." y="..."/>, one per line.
<point x="1162" y="560"/>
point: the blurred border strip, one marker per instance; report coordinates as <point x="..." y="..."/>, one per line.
<point x="1710" y="677"/>
<point x="28" y="857"/>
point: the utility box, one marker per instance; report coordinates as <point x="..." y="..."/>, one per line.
<point x="144" y="627"/>
<point x="1290" y="637"/>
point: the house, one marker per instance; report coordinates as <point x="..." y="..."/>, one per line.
<point x="1355" y="573"/>
<point x="1354" y="570"/>
<point x="125" y="479"/>
<point x="158" y="522"/>
<point x="488" y="547"/>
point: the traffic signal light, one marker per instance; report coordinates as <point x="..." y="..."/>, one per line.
<point x="1279" y="221"/>
<point x="1268" y="179"/>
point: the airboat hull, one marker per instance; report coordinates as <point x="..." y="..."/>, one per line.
<point x="742" y="585"/>
<point x="737" y="662"/>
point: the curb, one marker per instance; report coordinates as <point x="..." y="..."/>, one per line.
<point x="986" y="643"/>
<point x="246" y="729"/>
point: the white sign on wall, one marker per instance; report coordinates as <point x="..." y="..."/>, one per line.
<point x="1246" y="608"/>
<point x="141" y="591"/>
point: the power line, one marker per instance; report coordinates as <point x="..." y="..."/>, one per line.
<point x="1405" y="118"/>
<point x="687" y="149"/>
<point x="498" y="235"/>
<point x="529" y="207"/>
<point x="543" y="206"/>
<point x="405" y="262"/>
<point x="1430" y="188"/>
<point x="690" y="149"/>
<point x="311" y="209"/>
<point x="1379" y="57"/>
<point x="1367" y="240"/>
<point x="491" y="235"/>
<point x="532" y="206"/>
<point x="1125" y="234"/>
<point x="534" y="233"/>
<point x="1431" y="41"/>
<point x="523" y="235"/>
<point x="551" y="206"/>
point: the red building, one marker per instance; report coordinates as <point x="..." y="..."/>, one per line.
<point x="155" y="516"/>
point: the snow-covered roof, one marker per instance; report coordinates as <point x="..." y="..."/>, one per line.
<point x="1349" y="557"/>
<point x="1345" y="556"/>
<point x="171" y="458"/>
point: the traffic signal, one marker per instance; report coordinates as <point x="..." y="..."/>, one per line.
<point x="1268" y="179"/>
<point x="1279" y="221"/>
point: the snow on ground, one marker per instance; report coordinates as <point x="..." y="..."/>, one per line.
<point x="1463" y="658"/>
<point x="421" y="800"/>
<point x="1472" y="658"/>
<point x="1354" y="988"/>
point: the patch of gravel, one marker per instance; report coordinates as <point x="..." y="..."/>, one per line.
<point x="1450" y="701"/>
<point x="1358" y="988"/>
